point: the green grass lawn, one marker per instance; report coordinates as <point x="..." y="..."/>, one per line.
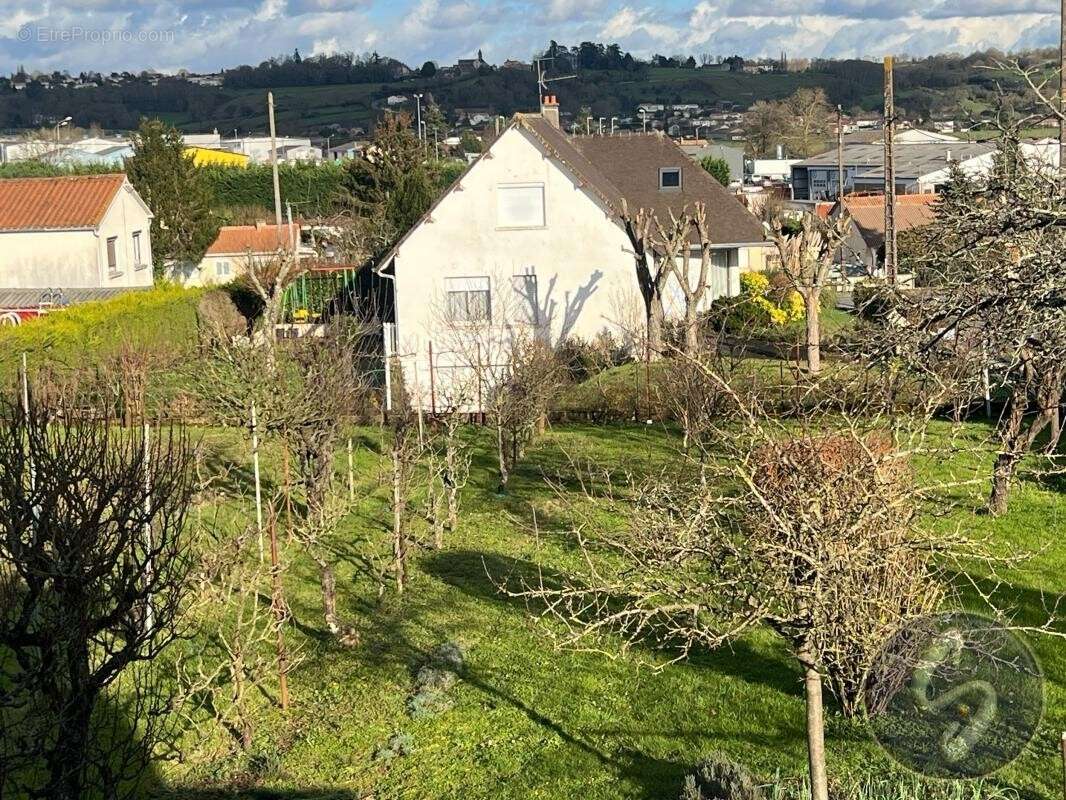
<point x="531" y="722"/>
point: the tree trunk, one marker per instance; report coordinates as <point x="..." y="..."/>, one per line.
<point x="399" y="549"/>
<point x="329" y="596"/>
<point x="812" y="685"/>
<point x="692" y="329"/>
<point x="501" y="452"/>
<point x="812" y="301"/>
<point x="655" y="328"/>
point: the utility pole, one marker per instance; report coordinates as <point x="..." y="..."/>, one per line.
<point x="891" y="256"/>
<point x="1062" y="91"/>
<point x="274" y="163"/>
<point x="418" y="115"/>
<point x="840" y="154"/>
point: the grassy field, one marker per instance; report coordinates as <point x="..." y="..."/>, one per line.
<point x="528" y="721"/>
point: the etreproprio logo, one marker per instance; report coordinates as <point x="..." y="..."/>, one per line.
<point x="955" y="695"/>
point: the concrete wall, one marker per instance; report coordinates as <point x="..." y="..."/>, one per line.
<point x="585" y="281"/>
<point x="78" y="259"/>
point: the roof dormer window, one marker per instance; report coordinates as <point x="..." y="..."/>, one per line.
<point x="670" y="179"/>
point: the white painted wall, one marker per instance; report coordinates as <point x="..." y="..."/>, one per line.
<point x="580" y="256"/>
<point x="78" y="259"/>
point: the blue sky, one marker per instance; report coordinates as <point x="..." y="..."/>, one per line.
<point x="206" y="35"/>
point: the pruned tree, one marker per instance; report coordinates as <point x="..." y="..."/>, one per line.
<point x="268" y="278"/>
<point x="216" y="678"/>
<point x="807" y="258"/>
<point x="812" y="529"/>
<point x="449" y="469"/>
<point x="94" y="569"/>
<point x="663" y="249"/>
<point x="652" y="274"/>
<point x="304" y="394"/>
<point x="520" y="397"/>
<point x="406" y="449"/>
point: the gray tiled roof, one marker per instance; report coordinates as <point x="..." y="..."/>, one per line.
<point x="912" y="160"/>
<point x="51" y="298"/>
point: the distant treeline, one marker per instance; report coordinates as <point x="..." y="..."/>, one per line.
<point x="609" y="82"/>
<point x="319" y="70"/>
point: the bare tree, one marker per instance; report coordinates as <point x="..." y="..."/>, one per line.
<point x="995" y="313"/>
<point x="94" y="567"/>
<point x="520" y="398"/>
<point x="816" y="535"/>
<point x="694" y="284"/>
<point x="449" y="470"/>
<point x="652" y="272"/>
<point x="304" y="394"/>
<point x="806" y="260"/>
<point x="269" y="278"/>
<point x="216" y="676"/>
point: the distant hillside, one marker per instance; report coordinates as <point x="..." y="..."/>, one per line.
<point x="948" y="86"/>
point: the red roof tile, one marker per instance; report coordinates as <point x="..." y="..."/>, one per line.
<point x="241" y="239"/>
<point x="76" y="202"/>
<point x="868" y="213"/>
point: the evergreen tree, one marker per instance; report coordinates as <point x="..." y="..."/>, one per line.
<point x="183" y="225"/>
<point x="718" y="167"/>
<point x="394" y="184"/>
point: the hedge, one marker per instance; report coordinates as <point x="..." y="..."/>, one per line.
<point x="85" y="336"/>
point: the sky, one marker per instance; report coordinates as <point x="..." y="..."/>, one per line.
<point x="207" y="35"/>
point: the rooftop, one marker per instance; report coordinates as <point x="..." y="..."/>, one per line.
<point x="64" y="203"/>
<point x="257" y="239"/>
<point x="624" y="171"/>
<point x="868" y="214"/>
<point x="912" y="160"/>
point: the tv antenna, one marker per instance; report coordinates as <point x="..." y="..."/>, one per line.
<point x="542" y="81"/>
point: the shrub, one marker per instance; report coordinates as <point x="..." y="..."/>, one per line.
<point x="718" y="777"/>
<point x="581" y="358"/>
<point x="434" y="680"/>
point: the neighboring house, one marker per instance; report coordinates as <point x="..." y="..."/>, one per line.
<point x="342" y="152"/>
<point x="909" y="136"/>
<point x="202" y="156"/>
<point x="920" y="168"/>
<point x="114" y="156"/>
<point x="864" y="248"/>
<point x="532" y="235"/>
<point x="289" y="148"/>
<point x="84" y="236"/>
<point x="235" y="249"/>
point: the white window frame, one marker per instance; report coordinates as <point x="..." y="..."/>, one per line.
<point x="461" y="289"/>
<point x="680" y="179"/>
<point x="219" y="272"/>
<point x="111" y="254"/>
<point x="502" y="187"/>
<point x="136" y="240"/>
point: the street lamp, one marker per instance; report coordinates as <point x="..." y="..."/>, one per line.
<point x="613" y="120"/>
<point x="418" y="114"/>
<point x="644" y="119"/>
<point x="61" y="124"/>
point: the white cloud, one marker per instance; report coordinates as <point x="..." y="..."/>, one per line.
<point x="270" y="9"/>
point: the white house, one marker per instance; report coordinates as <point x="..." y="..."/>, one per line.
<point x="289" y="148"/>
<point x="79" y="232"/>
<point x="235" y="249"/>
<point x="532" y="235"/>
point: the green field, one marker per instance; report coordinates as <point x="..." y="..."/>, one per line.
<point x="530" y="721"/>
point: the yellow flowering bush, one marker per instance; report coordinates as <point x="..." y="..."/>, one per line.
<point x="757" y="305"/>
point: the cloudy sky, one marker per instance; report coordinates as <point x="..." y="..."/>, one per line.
<point x="206" y="35"/>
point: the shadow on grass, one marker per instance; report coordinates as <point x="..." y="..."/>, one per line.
<point x="488" y="576"/>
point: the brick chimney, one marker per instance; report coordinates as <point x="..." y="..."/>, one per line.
<point x="549" y="109"/>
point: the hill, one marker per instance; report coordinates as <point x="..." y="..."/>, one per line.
<point x="311" y="98"/>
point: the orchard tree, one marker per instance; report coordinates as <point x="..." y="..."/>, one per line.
<point x="183" y="224"/>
